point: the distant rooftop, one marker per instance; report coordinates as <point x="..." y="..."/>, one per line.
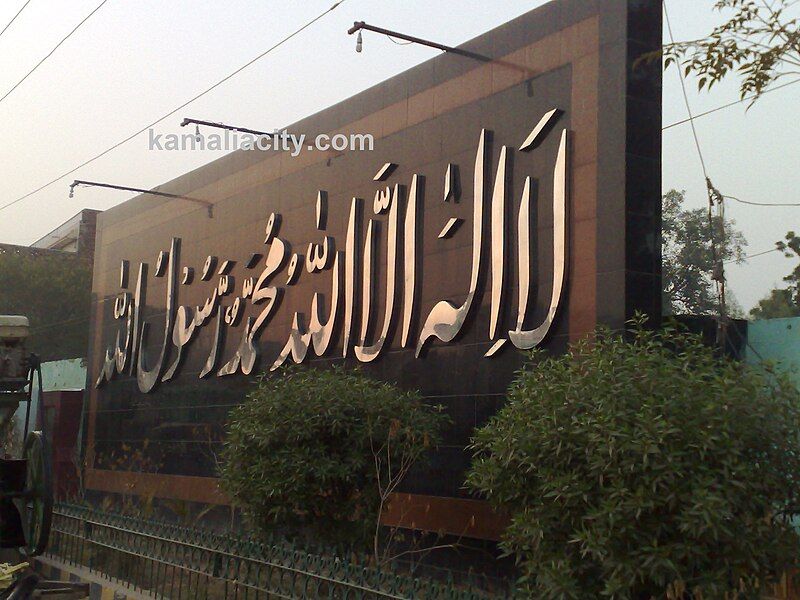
<point x="74" y="235"/>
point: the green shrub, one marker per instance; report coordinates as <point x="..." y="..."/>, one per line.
<point x="319" y="450"/>
<point x="644" y="468"/>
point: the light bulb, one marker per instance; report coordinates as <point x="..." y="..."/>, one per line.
<point x="197" y="135"/>
<point x="359" y="42"/>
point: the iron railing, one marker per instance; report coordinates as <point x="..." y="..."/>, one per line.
<point x="169" y="561"/>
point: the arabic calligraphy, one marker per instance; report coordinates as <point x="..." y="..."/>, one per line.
<point x="349" y="306"/>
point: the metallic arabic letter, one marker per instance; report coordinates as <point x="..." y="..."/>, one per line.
<point x="524" y="253"/>
<point x="106" y="370"/>
<point x="161" y="263"/>
<point x="245" y="356"/>
<point x="203" y="313"/>
<point x="122" y="353"/>
<point x="322" y="332"/>
<point x="182" y="334"/>
<point x="226" y="267"/>
<point x="350" y="259"/>
<point x="367" y="283"/>
<point x="383" y="198"/>
<point x="498" y="241"/>
<point x="410" y="255"/>
<point x="293" y="272"/>
<point x="208" y="268"/>
<point x="320" y="256"/>
<point x="452" y="190"/>
<point x="384" y="172"/>
<point x="262" y="292"/>
<point x="124" y="270"/>
<point x="216" y="348"/>
<point x="541" y="130"/>
<point x="297" y="345"/>
<point x="146" y="377"/>
<point x="253" y="260"/>
<point x="322" y="210"/>
<point x="116" y="360"/>
<point x="445" y="320"/>
<point x="273" y="225"/>
<point x="450" y="228"/>
<point x="370" y="353"/>
<point x="139" y="300"/>
<point x="526" y="340"/>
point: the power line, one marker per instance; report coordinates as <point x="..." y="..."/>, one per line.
<point x="749" y="256"/>
<point x="729" y="104"/>
<point x="175" y="110"/>
<point x="49" y="54"/>
<point x="690" y="120"/>
<point x="14" y="18"/>
<point x="751" y="203"/>
<point x="714" y="197"/>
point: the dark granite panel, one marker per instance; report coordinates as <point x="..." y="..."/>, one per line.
<point x="182" y="419"/>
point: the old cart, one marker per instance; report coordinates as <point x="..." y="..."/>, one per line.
<point x="26" y="485"/>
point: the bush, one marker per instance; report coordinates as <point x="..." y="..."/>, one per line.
<point x="318" y="450"/>
<point x="644" y="468"/>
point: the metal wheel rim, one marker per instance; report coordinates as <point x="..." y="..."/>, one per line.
<point x="37" y="510"/>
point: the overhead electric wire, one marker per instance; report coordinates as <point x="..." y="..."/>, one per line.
<point x="751" y="203"/>
<point x="49" y="54"/>
<point x="729" y="104"/>
<point x="691" y="118"/>
<point x="14" y="18"/>
<point x="749" y="256"/>
<point x="176" y="109"/>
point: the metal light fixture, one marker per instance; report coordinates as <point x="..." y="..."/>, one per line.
<point x="209" y="205"/>
<point x="197" y="135"/>
<point x="358" y="26"/>
<point x="198" y="122"/>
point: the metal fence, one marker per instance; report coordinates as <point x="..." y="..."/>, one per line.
<point x="169" y="561"/>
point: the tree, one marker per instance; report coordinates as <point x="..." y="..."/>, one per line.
<point x="783" y="302"/>
<point x="777" y="305"/>
<point x="791" y="249"/>
<point x="759" y="41"/>
<point x="303" y="451"/>
<point x="54" y="290"/>
<point x="688" y="259"/>
<point x="645" y="467"/>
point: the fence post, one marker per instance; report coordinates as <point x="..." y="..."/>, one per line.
<point x="87" y="533"/>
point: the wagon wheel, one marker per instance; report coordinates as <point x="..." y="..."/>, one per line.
<point x="36" y="508"/>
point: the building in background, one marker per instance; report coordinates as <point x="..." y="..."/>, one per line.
<point x="778" y="341"/>
<point x="50" y="283"/>
<point x="75" y="235"/>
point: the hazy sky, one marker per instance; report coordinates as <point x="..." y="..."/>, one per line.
<point x="134" y="61"/>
